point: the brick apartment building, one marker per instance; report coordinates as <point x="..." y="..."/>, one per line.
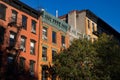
<point x="87" y="23"/>
<point x="19" y="30"/>
<point x="28" y="41"/>
<point x="54" y="38"/>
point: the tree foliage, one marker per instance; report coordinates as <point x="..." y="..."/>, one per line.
<point x="85" y="60"/>
<point x="107" y="66"/>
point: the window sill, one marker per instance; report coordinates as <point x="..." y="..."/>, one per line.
<point x="55" y="44"/>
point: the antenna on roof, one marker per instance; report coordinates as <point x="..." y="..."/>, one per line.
<point x="57" y="13"/>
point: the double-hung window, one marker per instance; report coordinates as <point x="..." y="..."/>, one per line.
<point x="12" y="39"/>
<point x="33" y="28"/>
<point x="44" y="33"/>
<point x="24" y="22"/>
<point x="22" y="63"/>
<point x="14" y="16"/>
<point x="44" y="53"/>
<point x="53" y="37"/>
<point x="53" y="55"/>
<point x="32" y="47"/>
<point x="63" y="40"/>
<point x="93" y="27"/>
<point x="89" y="24"/>
<point x="23" y="43"/>
<point x="2" y="11"/>
<point x="32" y="67"/>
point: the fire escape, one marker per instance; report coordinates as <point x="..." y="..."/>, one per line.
<point x="10" y="49"/>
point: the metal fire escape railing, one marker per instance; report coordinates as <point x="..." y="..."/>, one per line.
<point x="10" y="54"/>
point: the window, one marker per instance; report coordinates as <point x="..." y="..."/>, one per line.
<point x="63" y="40"/>
<point x="23" y="42"/>
<point x="24" y="22"/>
<point x="44" y="33"/>
<point x="32" y="67"/>
<point x="14" y="16"/>
<point x="2" y="31"/>
<point x="2" y="11"/>
<point x="33" y="26"/>
<point x="88" y="24"/>
<point x="32" y="47"/>
<point x="93" y="27"/>
<point x="22" y="63"/>
<point x="53" y="55"/>
<point x="12" y="39"/>
<point x="44" y="72"/>
<point x="53" y="36"/>
<point x="44" y="53"/>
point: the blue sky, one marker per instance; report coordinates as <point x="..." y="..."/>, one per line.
<point x="107" y="10"/>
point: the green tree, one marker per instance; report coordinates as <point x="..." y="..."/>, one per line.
<point x="85" y="60"/>
<point x="76" y="62"/>
<point x="107" y="65"/>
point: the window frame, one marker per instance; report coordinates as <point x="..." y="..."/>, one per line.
<point x="88" y="24"/>
<point x="93" y="27"/>
<point x="12" y="34"/>
<point x="24" y="22"/>
<point x="14" y="16"/>
<point x="44" y="53"/>
<point x="54" y="37"/>
<point x="22" y="61"/>
<point x="23" y="42"/>
<point x="54" y="52"/>
<point x="62" y="41"/>
<point x="33" y="42"/>
<point x="32" y="67"/>
<point x="3" y="11"/>
<point x="33" y="26"/>
<point x="44" y="33"/>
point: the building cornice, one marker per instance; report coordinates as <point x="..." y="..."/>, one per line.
<point x="23" y="7"/>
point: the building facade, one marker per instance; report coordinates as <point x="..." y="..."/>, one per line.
<point x="29" y="39"/>
<point x="53" y="39"/>
<point x="88" y="23"/>
<point x="19" y="30"/>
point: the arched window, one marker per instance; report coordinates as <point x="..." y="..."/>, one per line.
<point x="2" y="11"/>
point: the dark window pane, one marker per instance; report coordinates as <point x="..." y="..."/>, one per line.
<point x="44" y="53"/>
<point x="32" y="66"/>
<point x="2" y="11"/>
<point x="24" y="22"/>
<point x="2" y="31"/>
<point x="53" y="36"/>
<point x="22" y="64"/>
<point x="63" y="40"/>
<point x="53" y="55"/>
<point x="88" y="24"/>
<point x="44" y="72"/>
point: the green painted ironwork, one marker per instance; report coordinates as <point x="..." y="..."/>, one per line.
<point x="55" y="22"/>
